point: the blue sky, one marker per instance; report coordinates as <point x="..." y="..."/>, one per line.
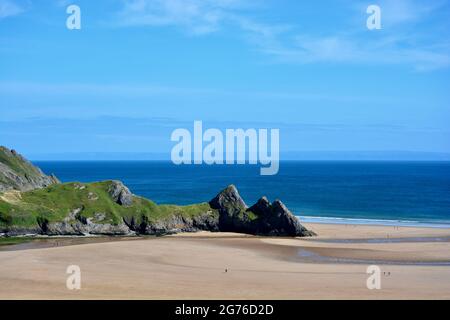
<point x="139" y="69"/>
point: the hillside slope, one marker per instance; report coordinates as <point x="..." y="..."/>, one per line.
<point x="109" y="208"/>
<point x="17" y="173"/>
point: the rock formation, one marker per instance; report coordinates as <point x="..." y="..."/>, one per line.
<point x="17" y="173"/>
<point x="262" y="218"/>
<point x="120" y="193"/>
<point x="33" y="203"/>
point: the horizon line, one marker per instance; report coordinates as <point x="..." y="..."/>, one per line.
<point x="284" y="156"/>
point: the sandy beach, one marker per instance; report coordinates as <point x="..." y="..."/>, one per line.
<point x="414" y="262"/>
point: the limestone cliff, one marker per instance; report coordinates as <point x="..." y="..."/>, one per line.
<point x="17" y="173"/>
<point x="33" y="203"/>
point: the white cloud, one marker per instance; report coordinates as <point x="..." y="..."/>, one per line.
<point x="9" y="8"/>
<point x="395" y="12"/>
<point x="394" y="45"/>
<point x="401" y="42"/>
<point x="341" y="49"/>
<point x="128" y="90"/>
<point x="194" y="16"/>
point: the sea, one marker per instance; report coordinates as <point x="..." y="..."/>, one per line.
<point x="344" y="192"/>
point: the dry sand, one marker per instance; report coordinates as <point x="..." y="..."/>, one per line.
<point x="415" y="264"/>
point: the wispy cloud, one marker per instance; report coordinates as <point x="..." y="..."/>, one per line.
<point x="193" y="16"/>
<point x="401" y="42"/>
<point x="9" y="8"/>
<point x="396" y="12"/>
<point x="341" y="49"/>
<point x="34" y="89"/>
<point x="396" y="45"/>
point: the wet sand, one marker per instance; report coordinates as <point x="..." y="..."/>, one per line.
<point x="414" y="262"/>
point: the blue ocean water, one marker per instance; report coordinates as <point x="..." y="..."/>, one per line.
<point x="398" y="193"/>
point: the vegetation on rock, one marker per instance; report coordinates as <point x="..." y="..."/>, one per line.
<point x="108" y="207"/>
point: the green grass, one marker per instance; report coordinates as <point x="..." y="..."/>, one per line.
<point x="3" y="179"/>
<point x="54" y="203"/>
<point x="17" y="164"/>
<point x="7" y="241"/>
